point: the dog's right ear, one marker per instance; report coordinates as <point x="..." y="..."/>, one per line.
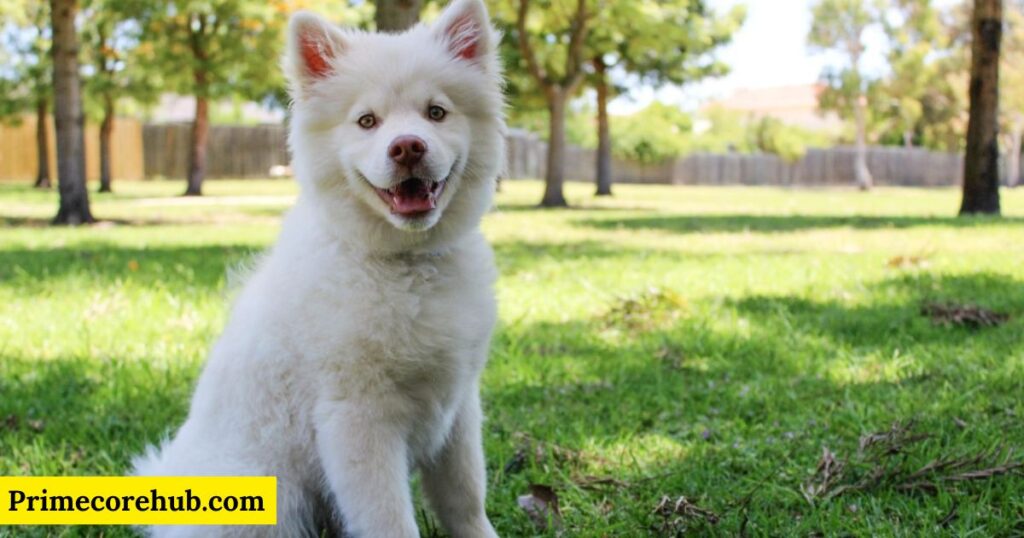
<point x="314" y="45"/>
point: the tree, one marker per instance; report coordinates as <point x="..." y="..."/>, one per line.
<point x="653" y="134"/>
<point x="212" y="49"/>
<point x="839" y="25"/>
<point x="915" y="34"/>
<point x="789" y="143"/>
<point x="981" y="164"/>
<point x="662" y="42"/>
<point x="1012" y="91"/>
<point x="943" y="123"/>
<point x="396" y="15"/>
<point x="26" y="83"/>
<point x="550" y="49"/>
<point x="604" y="136"/>
<point x="110" y="39"/>
<point x="67" y="97"/>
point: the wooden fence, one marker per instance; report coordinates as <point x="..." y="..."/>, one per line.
<point x="251" y="152"/>
<point x="819" y="167"/>
<point x="19" y="155"/>
<point x="834" y="166"/>
<point x="233" y="151"/>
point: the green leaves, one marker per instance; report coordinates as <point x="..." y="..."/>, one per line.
<point x="24" y="57"/>
<point x="214" y="48"/>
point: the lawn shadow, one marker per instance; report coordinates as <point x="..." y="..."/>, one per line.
<point x="531" y="208"/>
<point x="91" y="416"/>
<point x="207" y="266"/>
<point x="203" y="266"/>
<point x="782" y="363"/>
<point x="514" y="257"/>
<point x="695" y="224"/>
<point x="750" y="403"/>
<point x="36" y="222"/>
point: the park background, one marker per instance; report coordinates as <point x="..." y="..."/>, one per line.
<point x="759" y="314"/>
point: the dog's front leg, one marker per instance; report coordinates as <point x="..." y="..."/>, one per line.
<point x="364" y="455"/>
<point x="455" y="482"/>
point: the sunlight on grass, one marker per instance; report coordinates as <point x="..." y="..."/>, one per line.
<point x="680" y="341"/>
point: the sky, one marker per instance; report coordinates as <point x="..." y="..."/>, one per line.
<point x="769" y="50"/>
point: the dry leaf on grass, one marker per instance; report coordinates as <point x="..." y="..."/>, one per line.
<point x="11" y="422"/>
<point x="541" y="504"/>
<point x="826" y="476"/>
<point x="949" y="517"/>
<point x="594" y="482"/>
<point x="539" y="453"/>
<point x="653" y="309"/>
<point x="874" y="467"/>
<point x="982" y="474"/>
<point x="516" y="463"/>
<point x="907" y="262"/>
<point x="676" y="513"/>
<point x="892" y="441"/>
<point x="960" y="315"/>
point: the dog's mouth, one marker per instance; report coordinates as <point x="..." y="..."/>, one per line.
<point x="413" y="197"/>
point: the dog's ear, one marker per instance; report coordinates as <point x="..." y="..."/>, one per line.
<point x="313" y="46"/>
<point x="466" y="30"/>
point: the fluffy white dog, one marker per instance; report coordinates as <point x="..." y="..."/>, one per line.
<point x="353" y="354"/>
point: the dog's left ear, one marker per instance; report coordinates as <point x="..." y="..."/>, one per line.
<point x="465" y="29"/>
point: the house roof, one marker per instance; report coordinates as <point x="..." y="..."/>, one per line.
<point x="794" y="105"/>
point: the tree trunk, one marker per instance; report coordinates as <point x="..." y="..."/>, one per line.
<point x="42" y="145"/>
<point x="604" y="138"/>
<point x="908" y="139"/>
<point x="197" y="153"/>
<point x="397" y="15"/>
<point x="1013" y="155"/>
<point x="555" y="173"/>
<point x="981" y="164"/>
<point x="67" y="101"/>
<point x="106" y="129"/>
<point x="861" y="171"/>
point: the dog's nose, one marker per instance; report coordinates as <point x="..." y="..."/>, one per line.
<point x="407" y="150"/>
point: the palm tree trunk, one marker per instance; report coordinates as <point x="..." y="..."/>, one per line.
<point x="604" y="138"/>
<point x="554" y="176"/>
<point x="981" y="164"/>
<point x="42" y="145"/>
<point x="106" y="129"/>
<point x="68" y="115"/>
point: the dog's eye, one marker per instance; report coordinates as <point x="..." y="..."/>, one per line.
<point x="436" y="113"/>
<point x="367" y="121"/>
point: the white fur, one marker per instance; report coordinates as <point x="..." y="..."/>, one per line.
<point x="353" y="354"/>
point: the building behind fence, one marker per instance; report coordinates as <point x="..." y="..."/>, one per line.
<point x="253" y="151"/>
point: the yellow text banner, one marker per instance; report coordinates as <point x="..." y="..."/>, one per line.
<point x="138" y="500"/>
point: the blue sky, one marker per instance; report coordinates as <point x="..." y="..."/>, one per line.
<point x="770" y="50"/>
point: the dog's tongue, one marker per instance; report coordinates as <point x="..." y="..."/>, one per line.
<point x="412" y="196"/>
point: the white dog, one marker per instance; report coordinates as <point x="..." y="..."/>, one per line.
<point x="352" y="356"/>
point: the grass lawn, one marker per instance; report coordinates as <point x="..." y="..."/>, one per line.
<point x="711" y="343"/>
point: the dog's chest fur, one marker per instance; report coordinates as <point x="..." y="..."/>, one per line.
<point x="407" y="333"/>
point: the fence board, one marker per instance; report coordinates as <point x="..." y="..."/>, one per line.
<point x="18" y="153"/>
<point x="244" y="152"/>
<point x="233" y="151"/>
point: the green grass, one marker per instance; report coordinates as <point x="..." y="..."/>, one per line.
<point x="699" y="342"/>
